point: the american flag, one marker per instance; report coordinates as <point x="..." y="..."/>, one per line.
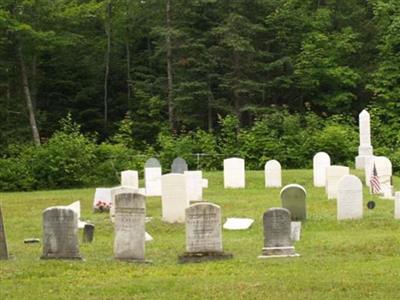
<point x="374" y="182"/>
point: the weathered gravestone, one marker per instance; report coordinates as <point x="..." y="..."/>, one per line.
<point x="174" y="198"/>
<point x="179" y="166"/>
<point x="397" y="205"/>
<point x="88" y="233"/>
<point x="295" y="231"/>
<point x="273" y="173"/>
<point x="293" y="197"/>
<point x="321" y="160"/>
<point x="349" y="198"/>
<point x="60" y="233"/>
<point x="384" y="173"/>
<point x="130" y="178"/>
<point x="277" y="234"/>
<point x="3" y="239"/>
<point x="365" y="149"/>
<point x="120" y="190"/>
<point x="130" y="214"/>
<point x="194" y="185"/>
<point x="333" y="175"/>
<point x="152" y="177"/>
<point x="234" y="173"/>
<point x="203" y="233"/>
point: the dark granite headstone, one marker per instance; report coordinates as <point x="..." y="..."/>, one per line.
<point x="88" y="233"/>
<point x="179" y="165"/>
<point x="152" y="163"/>
<point x="293" y="197"/>
<point x="3" y="240"/>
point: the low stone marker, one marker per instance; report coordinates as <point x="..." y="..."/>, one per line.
<point x="130" y="178"/>
<point x="3" y="240"/>
<point x="349" y="198"/>
<point x="174" y="198"/>
<point x="88" y="233"/>
<point x="277" y="234"/>
<point x="194" y="185"/>
<point x="203" y="234"/>
<point x="397" y="205"/>
<point x="293" y="197"/>
<point x="321" y="160"/>
<point x="179" y="165"/>
<point x="60" y="233"/>
<point x="130" y="214"/>
<point x="238" y="223"/>
<point x="273" y="173"/>
<point x="333" y="175"/>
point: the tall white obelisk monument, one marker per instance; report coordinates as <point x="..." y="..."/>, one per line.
<point x="365" y="150"/>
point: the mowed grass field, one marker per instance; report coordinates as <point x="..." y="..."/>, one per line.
<point x="339" y="260"/>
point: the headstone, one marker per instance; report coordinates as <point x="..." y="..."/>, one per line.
<point x="130" y="213"/>
<point x="205" y="183"/>
<point x="152" y="177"/>
<point x="102" y="199"/>
<point x="293" y="197"/>
<point x="174" y="198"/>
<point x="60" y="233"/>
<point x="321" y="160"/>
<point x="349" y="198"/>
<point x="273" y="173"/>
<point x="130" y="178"/>
<point x="277" y="234"/>
<point x="194" y="185"/>
<point x="203" y="233"/>
<point x="295" y="231"/>
<point x="88" y="233"/>
<point x="365" y="149"/>
<point x="3" y="239"/>
<point x="333" y="175"/>
<point x="76" y="207"/>
<point x="238" y="223"/>
<point x="234" y="173"/>
<point x="397" y="206"/>
<point x="179" y="165"/>
<point x="120" y="190"/>
<point x="384" y="172"/>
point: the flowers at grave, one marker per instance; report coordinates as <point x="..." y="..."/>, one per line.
<point x="102" y="206"/>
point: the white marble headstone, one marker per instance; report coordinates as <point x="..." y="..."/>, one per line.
<point x="238" y="223"/>
<point x="234" y="173"/>
<point x="273" y="173"/>
<point x="102" y="197"/>
<point x="333" y="175"/>
<point x="384" y="172"/>
<point x="194" y="184"/>
<point x="397" y="205"/>
<point x="130" y="178"/>
<point x="152" y="177"/>
<point x="321" y="160"/>
<point x="174" y="197"/>
<point x="349" y="198"/>
<point x="365" y="149"/>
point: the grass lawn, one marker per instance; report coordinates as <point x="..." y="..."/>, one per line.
<point x="339" y="260"/>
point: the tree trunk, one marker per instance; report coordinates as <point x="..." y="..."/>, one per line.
<point x="171" y="113"/>
<point x="209" y="109"/>
<point x="128" y="56"/>
<point x="107" y="62"/>
<point x="236" y="94"/>
<point x="27" y="94"/>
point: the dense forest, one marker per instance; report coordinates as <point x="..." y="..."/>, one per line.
<point x="257" y="78"/>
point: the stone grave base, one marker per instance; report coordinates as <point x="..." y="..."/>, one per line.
<point x="271" y="252"/>
<point x="58" y="257"/>
<point x="136" y="261"/>
<point x="194" y="257"/>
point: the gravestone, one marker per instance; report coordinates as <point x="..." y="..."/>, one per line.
<point x="349" y="198"/>
<point x="60" y="233"/>
<point x="203" y="233"/>
<point x="130" y="178"/>
<point x="102" y="199"/>
<point x="174" y="198"/>
<point x="120" y="190"/>
<point x="293" y="197"/>
<point x="194" y="185"/>
<point x="333" y="175"/>
<point x="76" y="207"/>
<point x="234" y="173"/>
<point x="179" y="166"/>
<point x="321" y="160"/>
<point x="88" y="233"/>
<point x="3" y="239"/>
<point x="365" y="149"/>
<point x="295" y="231"/>
<point x="130" y="214"/>
<point x="238" y="223"/>
<point x="384" y="172"/>
<point x="273" y="173"/>
<point x="397" y="205"/>
<point x="152" y="177"/>
<point x="277" y="234"/>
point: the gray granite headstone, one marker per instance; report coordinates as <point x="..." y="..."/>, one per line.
<point x="277" y="234"/>
<point x="293" y="197"/>
<point x="152" y="163"/>
<point x="179" y="165"/>
<point x="130" y="215"/>
<point x="3" y="240"/>
<point x="203" y="233"/>
<point x="88" y="233"/>
<point x="60" y="233"/>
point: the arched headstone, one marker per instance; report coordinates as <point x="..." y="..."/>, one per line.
<point x="384" y="172"/>
<point x="179" y="165"/>
<point x="273" y="173"/>
<point x="321" y="160"/>
<point x="293" y="197"/>
<point x="349" y="198"/>
<point x="234" y="173"/>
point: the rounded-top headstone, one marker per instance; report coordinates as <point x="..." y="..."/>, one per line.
<point x="273" y="173"/>
<point x="293" y="197"/>
<point x="152" y="163"/>
<point x="321" y="160"/>
<point x="179" y="165"/>
<point x="234" y="172"/>
<point x="383" y="167"/>
<point x="349" y="198"/>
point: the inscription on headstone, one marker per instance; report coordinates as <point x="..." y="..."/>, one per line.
<point x="293" y="197"/>
<point x="179" y="165"/>
<point x="3" y="240"/>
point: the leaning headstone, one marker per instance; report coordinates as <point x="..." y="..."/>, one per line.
<point x="88" y="233"/>
<point x="277" y="234"/>
<point x="273" y="173"/>
<point x="365" y="149"/>
<point x="397" y="205"/>
<point x="293" y="197"/>
<point x="120" y="190"/>
<point x="194" y="185"/>
<point x="234" y="173"/>
<point x="349" y="198"/>
<point x="102" y="199"/>
<point x="130" y="214"/>
<point x="179" y="166"/>
<point x="203" y="234"/>
<point x="60" y="233"/>
<point x="321" y="160"/>
<point x="174" y="198"/>
<point x="333" y="175"/>
<point x="152" y="177"/>
<point x="130" y="178"/>
<point x="3" y="240"/>
<point x="384" y="171"/>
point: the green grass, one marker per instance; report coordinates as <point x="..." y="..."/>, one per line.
<point x="339" y="260"/>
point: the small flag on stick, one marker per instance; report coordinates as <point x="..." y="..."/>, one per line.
<point x="374" y="182"/>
